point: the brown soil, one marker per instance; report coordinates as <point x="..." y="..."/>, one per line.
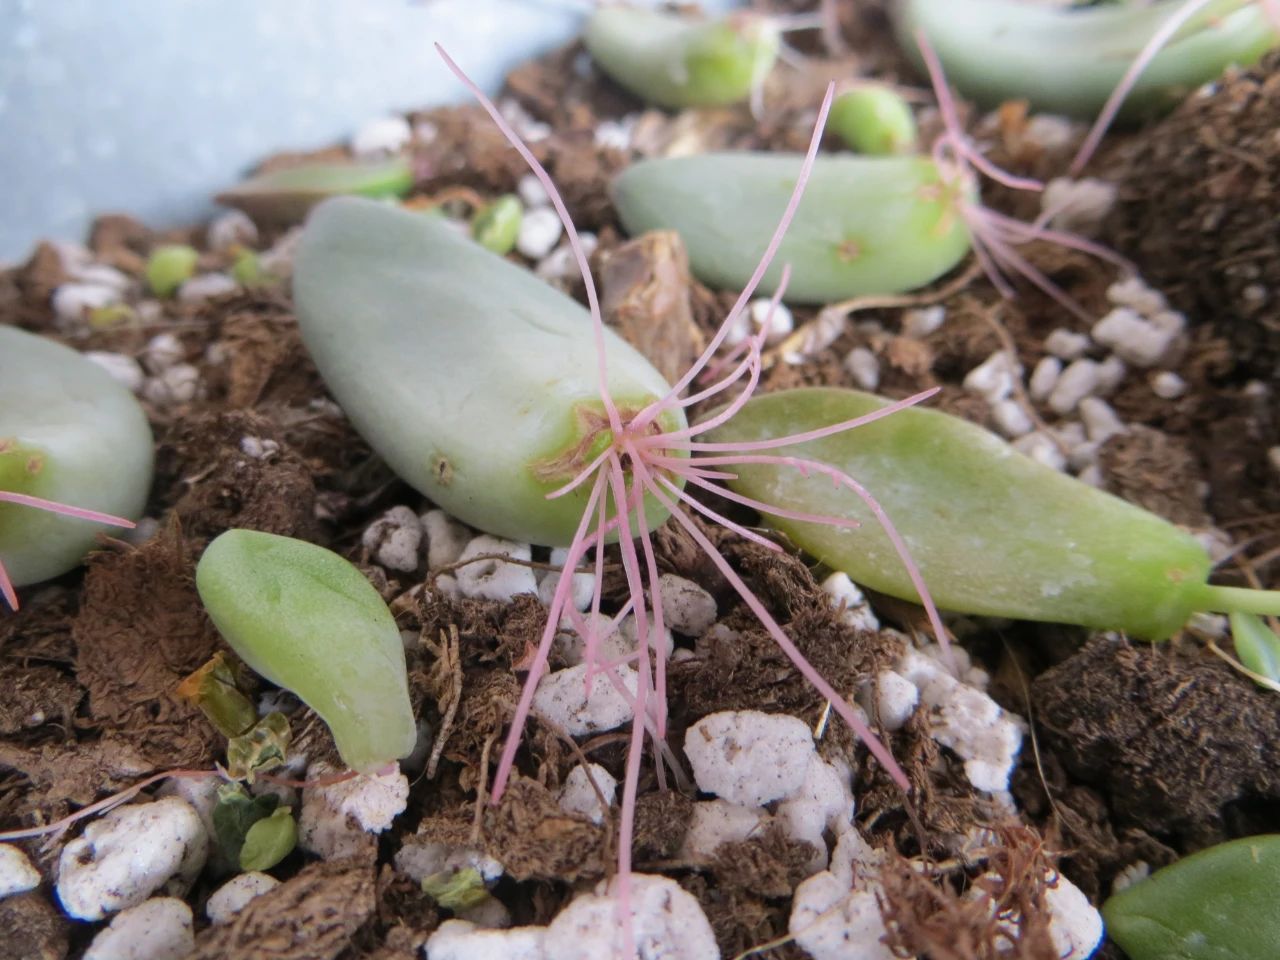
<point x="1140" y="753"/>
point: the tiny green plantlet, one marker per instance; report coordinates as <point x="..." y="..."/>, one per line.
<point x="1069" y="60"/>
<point x="69" y="435"/>
<point x="284" y="196"/>
<point x="874" y="119"/>
<point x="1258" y="649"/>
<point x="308" y="621"/>
<point x="992" y="531"/>
<point x="497" y="226"/>
<point x="674" y="61"/>
<point x="1218" y="904"/>
<point x="169" y="267"/>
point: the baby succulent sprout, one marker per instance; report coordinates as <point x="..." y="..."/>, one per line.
<point x="992" y="532"/>
<point x="874" y="119"/>
<point x="284" y="196"/>
<point x="169" y="267"/>
<point x="307" y="620"/>
<point x="497" y="226"/>
<point x="1069" y="59"/>
<point x="1218" y="904"/>
<point x="75" y="458"/>
<point x="674" y="61"/>
<point x="1257" y="648"/>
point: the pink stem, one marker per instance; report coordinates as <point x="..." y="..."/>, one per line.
<point x="717" y="517"/>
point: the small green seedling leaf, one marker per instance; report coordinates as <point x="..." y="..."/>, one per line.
<point x="214" y="690"/>
<point x="866" y="226"/>
<point x="261" y="748"/>
<point x="875" y="120"/>
<point x="1218" y="904"/>
<point x="235" y="812"/>
<point x="169" y="267"/>
<point x="675" y="62"/>
<point x="112" y="316"/>
<point x="246" y="270"/>
<point x="1257" y="646"/>
<point x="497" y="226"/>
<point x="285" y="196"/>
<point x="269" y="840"/>
<point x="308" y="621"/>
<point x="456" y="890"/>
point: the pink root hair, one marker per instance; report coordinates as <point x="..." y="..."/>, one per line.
<point x="640" y="463"/>
<point x="24" y="500"/>
<point x="1159" y="40"/>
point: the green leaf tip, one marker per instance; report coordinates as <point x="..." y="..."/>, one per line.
<point x="284" y="196"/>
<point x="308" y="621"/>
<point x="169" y="267"/>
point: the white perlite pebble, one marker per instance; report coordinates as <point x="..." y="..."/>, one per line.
<point x="562" y="698"/>
<point x="234" y="895"/>
<point x="614" y="133"/>
<point x="418" y="861"/>
<point x="779" y="319"/>
<point x="1044" y="378"/>
<point x="372" y="800"/>
<point x="1078" y="381"/>
<point x="581" y="587"/>
<point x="1101" y="422"/>
<point x="896" y="698"/>
<point x="1078" y="205"/>
<point x="394" y="538"/>
<point x="1133" y="339"/>
<point x="830" y="921"/>
<point x="749" y="757"/>
<point x="206" y="286"/>
<point x="1133" y="292"/>
<point x="993" y="378"/>
<point x="1039" y="446"/>
<point x="1111" y="373"/>
<point x="667" y="924"/>
<point x="561" y="264"/>
<point x="381" y="136"/>
<point x="259" y="448"/>
<point x="715" y="822"/>
<point x="1074" y="925"/>
<point x="17" y="875"/>
<point x="823" y="803"/>
<point x="532" y="193"/>
<point x="966" y="721"/>
<point x="922" y="321"/>
<point x="162" y="352"/>
<point x="863" y="367"/>
<point x="495" y="579"/>
<point x="123" y="369"/>
<point x="446" y="538"/>
<point x="159" y="929"/>
<point x="178" y="384"/>
<point x="1067" y="344"/>
<point x="101" y="275"/>
<point x="578" y="796"/>
<point x="540" y="230"/>
<point x="73" y="301"/>
<point x="1167" y="385"/>
<point x="686" y="607"/>
<point x="849" y="600"/>
<point x="1135" y="872"/>
<point x="1010" y="419"/>
<point x="231" y="229"/>
<point x="462" y="940"/>
<point x="130" y="853"/>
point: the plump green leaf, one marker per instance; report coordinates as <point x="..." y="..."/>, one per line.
<point x="308" y="621"/>
<point x="235" y="812"/>
<point x="169" y="267"/>
<point x="269" y="840"/>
